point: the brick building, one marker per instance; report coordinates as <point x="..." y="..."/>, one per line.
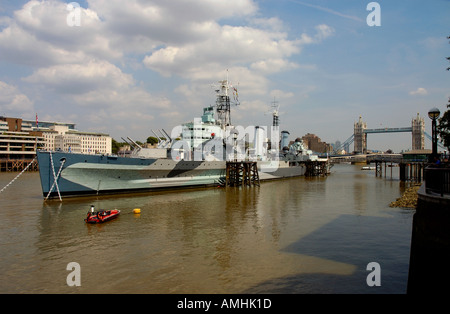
<point x="18" y="143"/>
<point x="314" y="143"/>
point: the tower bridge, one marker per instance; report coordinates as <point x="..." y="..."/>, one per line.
<point x="359" y="136"/>
<point x="417" y="130"/>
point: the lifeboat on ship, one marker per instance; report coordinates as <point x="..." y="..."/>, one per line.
<point x="95" y="217"/>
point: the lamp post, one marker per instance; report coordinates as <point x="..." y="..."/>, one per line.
<point x="433" y="114"/>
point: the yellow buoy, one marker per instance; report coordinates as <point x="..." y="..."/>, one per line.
<point x="137" y="211"/>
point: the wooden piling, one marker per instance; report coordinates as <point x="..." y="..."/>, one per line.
<point x="316" y="168"/>
<point x="241" y="173"/>
<point x="17" y="165"/>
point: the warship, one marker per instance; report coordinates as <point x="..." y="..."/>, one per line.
<point x="194" y="155"/>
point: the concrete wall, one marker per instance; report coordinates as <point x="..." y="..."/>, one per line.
<point x="429" y="268"/>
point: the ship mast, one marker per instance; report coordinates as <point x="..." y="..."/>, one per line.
<point x="276" y="108"/>
<point x="223" y="102"/>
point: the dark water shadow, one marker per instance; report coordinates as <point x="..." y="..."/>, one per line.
<point x="354" y="240"/>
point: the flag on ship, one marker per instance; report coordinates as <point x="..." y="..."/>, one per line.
<point x="235" y="93"/>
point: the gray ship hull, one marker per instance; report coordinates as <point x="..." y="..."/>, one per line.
<point x="79" y="174"/>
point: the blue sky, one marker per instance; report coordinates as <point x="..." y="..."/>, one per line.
<point x="132" y="66"/>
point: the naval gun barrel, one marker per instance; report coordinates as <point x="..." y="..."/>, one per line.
<point x="128" y="143"/>
<point x="136" y="144"/>
<point x="159" y="140"/>
<point x="170" y="139"/>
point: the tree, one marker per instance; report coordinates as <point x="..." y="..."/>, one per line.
<point x="443" y="127"/>
<point x="115" y="146"/>
<point x="152" y="140"/>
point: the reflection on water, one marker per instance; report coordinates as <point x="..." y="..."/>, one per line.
<point x="291" y="236"/>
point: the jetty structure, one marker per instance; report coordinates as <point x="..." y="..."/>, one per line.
<point x="209" y="151"/>
<point x="18" y="144"/>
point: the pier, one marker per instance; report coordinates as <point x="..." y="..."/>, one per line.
<point x="411" y="164"/>
<point x="17" y="165"/>
<point x="243" y="173"/>
<point x="408" y="171"/>
<point x="316" y="168"/>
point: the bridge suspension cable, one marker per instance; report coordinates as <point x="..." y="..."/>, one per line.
<point x="431" y="139"/>
<point x="347" y="142"/>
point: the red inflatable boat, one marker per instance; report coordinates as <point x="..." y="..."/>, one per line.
<point x="101" y="216"/>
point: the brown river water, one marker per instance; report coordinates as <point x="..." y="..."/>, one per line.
<point x="300" y="235"/>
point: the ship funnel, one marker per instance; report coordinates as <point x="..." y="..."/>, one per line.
<point x="259" y="141"/>
<point x="284" y="139"/>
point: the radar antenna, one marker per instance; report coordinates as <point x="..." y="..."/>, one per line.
<point x="275" y="113"/>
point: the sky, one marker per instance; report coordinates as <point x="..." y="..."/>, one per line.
<point x="127" y="67"/>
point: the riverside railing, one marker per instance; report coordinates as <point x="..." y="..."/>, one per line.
<point x="437" y="180"/>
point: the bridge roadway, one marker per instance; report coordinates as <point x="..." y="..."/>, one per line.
<point x="388" y="130"/>
<point x="395" y="158"/>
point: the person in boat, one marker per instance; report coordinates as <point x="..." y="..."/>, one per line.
<point x="91" y="212"/>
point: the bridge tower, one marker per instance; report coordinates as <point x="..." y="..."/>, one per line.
<point x="418" y="133"/>
<point x="360" y="138"/>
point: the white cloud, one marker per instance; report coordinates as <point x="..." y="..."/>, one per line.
<point x="273" y="65"/>
<point x="323" y="31"/>
<point x="101" y="93"/>
<point x="419" y="92"/>
<point x="87" y="70"/>
<point x="226" y="45"/>
<point x="13" y="102"/>
<point x="81" y="78"/>
<point x="124" y="100"/>
<point x="144" y="25"/>
<point x="279" y="94"/>
<point x="272" y="23"/>
<point x="39" y="36"/>
<point x="265" y="51"/>
<point x="178" y="37"/>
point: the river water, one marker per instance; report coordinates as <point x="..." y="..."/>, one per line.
<point x="300" y="235"/>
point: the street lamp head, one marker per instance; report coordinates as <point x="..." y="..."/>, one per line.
<point x="434" y="113"/>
